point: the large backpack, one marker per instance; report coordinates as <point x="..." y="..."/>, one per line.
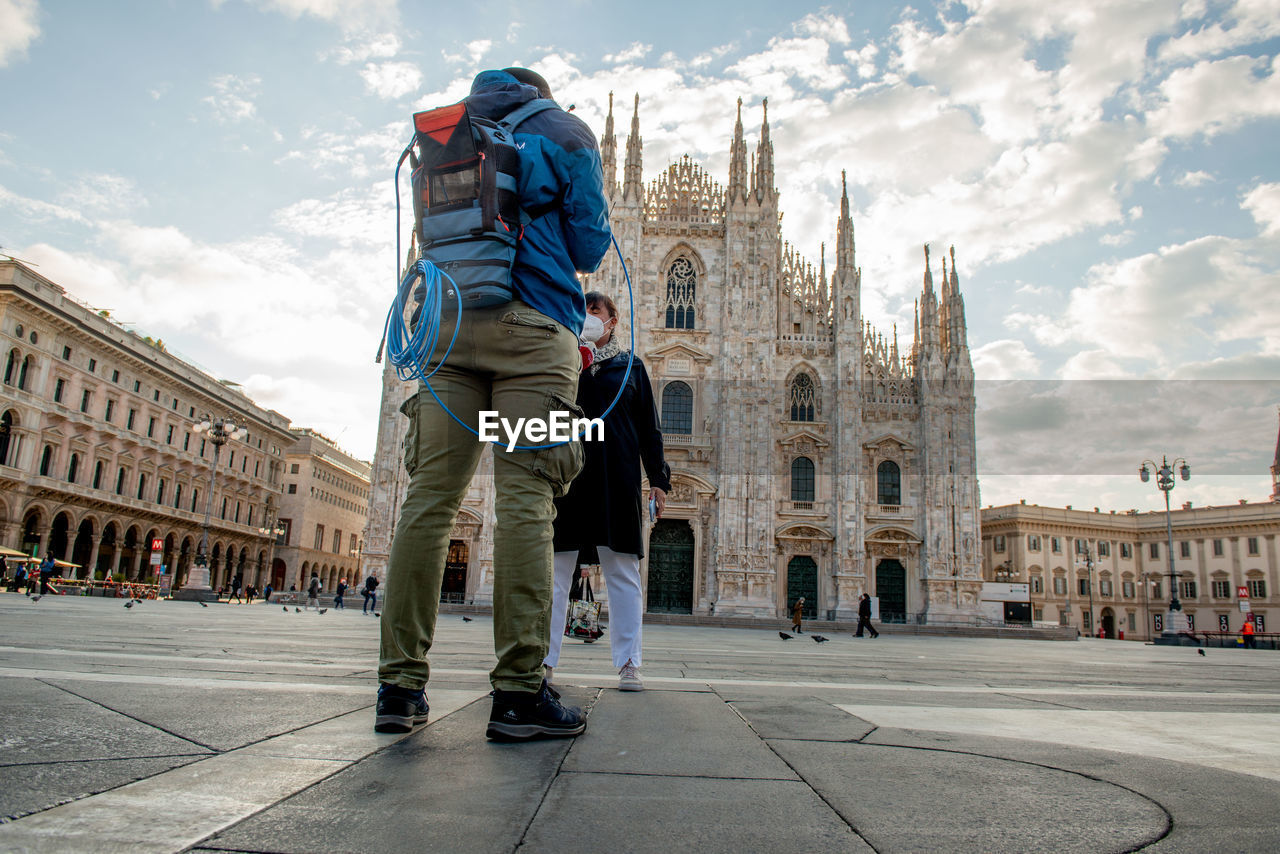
<point x="466" y="203"/>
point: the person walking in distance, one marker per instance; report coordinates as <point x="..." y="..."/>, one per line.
<point x="519" y="358"/>
<point x="237" y="582"/>
<point x="797" y="613"/>
<point x="603" y="508"/>
<point x="313" y="592"/>
<point x="1247" y="634"/>
<point x="339" y="593"/>
<point x="370" y="593"/>
<point x="864" y="617"/>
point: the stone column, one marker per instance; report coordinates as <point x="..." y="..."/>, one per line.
<point x="93" y="556"/>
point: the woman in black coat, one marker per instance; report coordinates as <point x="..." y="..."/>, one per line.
<point x="604" y="506"/>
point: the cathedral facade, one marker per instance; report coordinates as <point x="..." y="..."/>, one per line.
<point x="809" y="457"/>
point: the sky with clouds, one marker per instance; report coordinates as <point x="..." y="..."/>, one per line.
<point x="217" y="173"/>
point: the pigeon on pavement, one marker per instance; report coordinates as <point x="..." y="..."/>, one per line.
<point x="36" y="598"/>
<point x="204" y="604"/>
<point x="377" y="614"/>
<point x="285" y="609"/>
<point x="466" y="619"/>
<point x="819" y="639"/>
<point x="322" y="610"/>
<point x="129" y="604"/>
<point x="785" y="636"/>
<point x="1201" y="651"/>
<point x="298" y="610"/>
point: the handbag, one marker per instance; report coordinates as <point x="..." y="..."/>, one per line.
<point x="584" y="616"/>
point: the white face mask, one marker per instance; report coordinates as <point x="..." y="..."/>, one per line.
<point x="592" y="329"/>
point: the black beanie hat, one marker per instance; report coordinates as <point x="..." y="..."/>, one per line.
<point x="532" y="78"/>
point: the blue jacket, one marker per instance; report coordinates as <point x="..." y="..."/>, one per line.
<point x="558" y="153"/>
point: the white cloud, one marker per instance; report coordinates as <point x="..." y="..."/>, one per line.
<point x="1005" y="359"/>
<point x="1263" y="202"/>
<point x="1244" y="22"/>
<point x="103" y="195"/>
<point x="1093" y="365"/>
<point x="232" y="98"/>
<point x="379" y="46"/>
<point x="827" y="27"/>
<point x="350" y="14"/>
<point x="1119" y="239"/>
<point x="391" y="80"/>
<point x="636" y="50"/>
<point x="1217" y="95"/>
<point x="19" y="27"/>
<point x="38" y="211"/>
<point x="354" y="153"/>
<point x="1195" y="178"/>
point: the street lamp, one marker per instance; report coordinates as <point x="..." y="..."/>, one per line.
<point x="220" y="431"/>
<point x="274" y="531"/>
<point x="1175" y="621"/>
<point x="1087" y="556"/>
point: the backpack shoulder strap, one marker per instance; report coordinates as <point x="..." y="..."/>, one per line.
<point x="513" y="119"/>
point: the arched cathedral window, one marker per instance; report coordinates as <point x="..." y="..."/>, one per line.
<point x="888" y="483"/>
<point x="677" y="408"/>
<point x="803" y="395"/>
<point x="682" y="281"/>
<point x="802" y="480"/>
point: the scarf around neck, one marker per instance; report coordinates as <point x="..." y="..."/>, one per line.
<point x="608" y="351"/>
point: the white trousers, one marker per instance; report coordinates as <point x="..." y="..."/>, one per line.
<point x="626" y="604"/>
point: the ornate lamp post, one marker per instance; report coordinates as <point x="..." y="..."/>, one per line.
<point x="219" y="431"/>
<point x="1085" y="556"/>
<point x="1175" y="621"/>
<point x="274" y="529"/>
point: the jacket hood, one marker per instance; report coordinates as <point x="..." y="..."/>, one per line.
<point x="496" y="93"/>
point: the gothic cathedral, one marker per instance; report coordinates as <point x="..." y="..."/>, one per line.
<point x="808" y="456"/>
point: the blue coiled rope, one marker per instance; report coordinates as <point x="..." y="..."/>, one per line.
<point x="409" y="350"/>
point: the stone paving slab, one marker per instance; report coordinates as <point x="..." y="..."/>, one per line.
<point x="672" y="734"/>
<point x="30" y="788"/>
<point x="906" y="799"/>
<point x="661" y="814"/>
<point x="445" y="788"/>
<point x="807" y="718"/>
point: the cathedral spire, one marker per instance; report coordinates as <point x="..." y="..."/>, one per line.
<point x="764" y="189"/>
<point x="958" y="336"/>
<point x="633" y="181"/>
<point x="928" y="312"/>
<point x="738" y="161"/>
<point x="822" y="267"/>
<point x="609" y="152"/>
<point x="1275" y="469"/>
<point x="845" y="252"/>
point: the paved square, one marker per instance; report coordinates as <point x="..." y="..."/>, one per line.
<point x="170" y="727"/>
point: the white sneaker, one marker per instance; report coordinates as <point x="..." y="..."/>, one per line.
<point x="629" y="678"/>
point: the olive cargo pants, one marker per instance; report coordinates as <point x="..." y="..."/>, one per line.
<point x="521" y="363"/>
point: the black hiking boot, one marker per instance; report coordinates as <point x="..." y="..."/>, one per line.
<point x="522" y="715"/>
<point x="399" y="709"/>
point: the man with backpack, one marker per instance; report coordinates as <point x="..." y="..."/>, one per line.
<point x="518" y="357"/>
<point x="370" y="592"/>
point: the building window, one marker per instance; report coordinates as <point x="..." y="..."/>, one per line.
<point x="237" y="512"/>
<point x="353" y="543"/>
<point x="46" y="461"/>
<point x="998" y="542"/>
<point x="1153" y="550"/>
<point x="169" y="439"/>
<point x="802" y="479"/>
<point x="1037" y="584"/>
<point x="142" y="485"/>
<point x="66" y="352"/>
<point x="803" y="397"/>
<point x="682" y="282"/>
<point x="1126" y="589"/>
<point x="22" y="373"/>
<point x="1082" y="585"/>
<point x="160" y="492"/>
<point x="177" y="496"/>
<point x="1257" y="588"/>
<point x="1033" y="542"/>
<point x="1104" y="587"/>
<point x="1184" y="548"/>
<point x="293" y="489"/>
<point x="137" y="386"/>
<point x="1187" y="589"/>
<point x="1221" y="589"/>
<point x="319" y="537"/>
<point x="1080" y="546"/>
<point x="85" y="397"/>
<point x="223" y="514"/>
<point x="9" y="364"/>
<point x="109" y="411"/>
<point x="888" y="483"/>
<point x="133" y="413"/>
<point x="97" y="475"/>
<point x="337" y="541"/>
<point x="293" y="469"/>
<point x="156" y="395"/>
<point x="1059" y="585"/>
<point x="93" y="365"/>
<point x="1038" y="615"/>
<point x="58" y="387"/>
<point x="677" y="408"/>
<point x="1252" y="543"/>
<point x="72" y="468"/>
<point x="1157" y="590"/>
<point x="115" y="376"/>
<point x="1217" y="548"/>
<point x="120" y="481"/>
<point x="1055" y="545"/>
<point x="195" y="499"/>
<point x="151" y="427"/>
<point x="1086" y="619"/>
<point x="1104" y="548"/>
<point x="1126" y="551"/>
<point x="186" y="441"/>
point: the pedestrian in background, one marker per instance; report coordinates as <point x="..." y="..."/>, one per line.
<point x="237" y="582"/>
<point x="1246" y="634"/>
<point x="313" y="592"/>
<point x="266" y="595"/>
<point x="337" y="599"/>
<point x="797" y="613"/>
<point x="46" y="572"/>
<point x="603" y="506"/>
<point x="864" y="617"/>
<point x="370" y="592"/>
